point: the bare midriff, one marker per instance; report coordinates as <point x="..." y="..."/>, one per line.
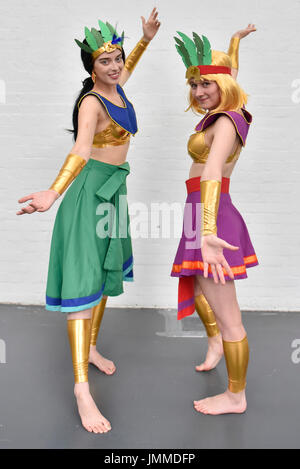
<point x="197" y="169"/>
<point x="112" y="155"/>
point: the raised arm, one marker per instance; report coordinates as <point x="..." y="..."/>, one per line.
<point x="74" y="162"/>
<point x="233" y="50"/>
<point x="150" y="28"/>
<point x="210" y="185"/>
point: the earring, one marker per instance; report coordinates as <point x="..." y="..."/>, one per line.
<point x="94" y="77"/>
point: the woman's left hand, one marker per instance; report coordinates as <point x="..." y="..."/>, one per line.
<point x="151" y="26"/>
<point x="212" y="254"/>
<point x="244" y="32"/>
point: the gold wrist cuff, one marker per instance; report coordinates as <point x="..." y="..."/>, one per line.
<point x="233" y="52"/>
<point x="237" y="358"/>
<point x="70" y="169"/>
<point x="135" y="55"/>
<point x="210" y="198"/>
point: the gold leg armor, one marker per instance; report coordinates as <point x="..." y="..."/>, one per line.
<point x="237" y="357"/>
<point x="97" y="315"/>
<point x="206" y="315"/>
<point x="79" y="332"/>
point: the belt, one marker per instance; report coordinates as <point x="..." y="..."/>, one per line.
<point x="193" y="184"/>
<point x="114" y="255"/>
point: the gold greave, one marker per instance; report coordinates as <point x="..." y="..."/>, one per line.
<point x="79" y="332"/>
<point x="97" y="315"/>
<point x="210" y="199"/>
<point x="135" y="55"/>
<point x="206" y="315"/>
<point x="233" y="52"/>
<point x="236" y="357"/>
<point x="69" y="171"/>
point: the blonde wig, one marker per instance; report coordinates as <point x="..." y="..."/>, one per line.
<point x="233" y="96"/>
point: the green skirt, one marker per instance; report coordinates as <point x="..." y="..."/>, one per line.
<point x="91" y="251"/>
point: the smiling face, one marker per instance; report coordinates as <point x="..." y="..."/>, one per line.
<point x="206" y="93"/>
<point x="108" y="67"/>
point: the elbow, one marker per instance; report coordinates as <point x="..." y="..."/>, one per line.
<point x="82" y="150"/>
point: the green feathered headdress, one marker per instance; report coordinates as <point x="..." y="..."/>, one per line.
<point x="193" y="52"/>
<point x="197" y="57"/>
<point x="107" y="40"/>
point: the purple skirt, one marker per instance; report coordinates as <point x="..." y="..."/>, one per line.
<point x="188" y="260"/>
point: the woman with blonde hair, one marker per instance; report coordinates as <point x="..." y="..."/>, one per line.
<point x="215" y="248"/>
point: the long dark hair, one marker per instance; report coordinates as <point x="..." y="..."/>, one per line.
<point x="88" y="63"/>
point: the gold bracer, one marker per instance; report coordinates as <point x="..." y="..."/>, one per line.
<point x="210" y="198"/>
<point x="206" y="315"/>
<point x="135" y="55"/>
<point x="97" y="315"/>
<point x="236" y="357"/>
<point x="233" y="52"/>
<point x="69" y="171"/>
<point x="79" y="332"/>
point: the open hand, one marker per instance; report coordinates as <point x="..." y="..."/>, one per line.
<point x="41" y="201"/>
<point x="244" y="32"/>
<point x="212" y="254"/>
<point x="151" y="26"/>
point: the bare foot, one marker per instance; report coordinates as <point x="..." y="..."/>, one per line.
<point x="91" y="418"/>
<point x="214" y="354"/>
<point x="226" y="403"/>
<point x="107" y="366"/>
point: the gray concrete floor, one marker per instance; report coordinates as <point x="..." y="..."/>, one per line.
<point x="149" y="400"/>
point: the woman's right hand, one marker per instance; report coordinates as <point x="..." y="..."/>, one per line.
<point x="41" y="201"/>
<point x="212" y="254"/>
<point x="244" y="32"/>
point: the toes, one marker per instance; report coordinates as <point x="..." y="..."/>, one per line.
<point x="104" y="429"/>
<point x="200" y="368"/>
<point x="100" y="428"/>
<point x="106" y="424"/>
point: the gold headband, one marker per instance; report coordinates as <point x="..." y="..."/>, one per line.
<point x="107" y="47"/>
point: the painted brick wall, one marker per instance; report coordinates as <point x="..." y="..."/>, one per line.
<point x="40" y="75"/>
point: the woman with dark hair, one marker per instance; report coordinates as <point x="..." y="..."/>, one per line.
<point x="211" y="222"/>
<point x="91" y="252"/>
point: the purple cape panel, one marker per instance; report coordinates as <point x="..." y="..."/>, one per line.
<point x="242" y="123"/>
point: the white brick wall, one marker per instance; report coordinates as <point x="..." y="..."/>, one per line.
<point x="40" y="76"/>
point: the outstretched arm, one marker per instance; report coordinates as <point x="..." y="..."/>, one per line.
<point x="74" y="162"/>
<point x="150" y="28"/>
<point x="210" y="185"/>
<point x="233" y="50"/>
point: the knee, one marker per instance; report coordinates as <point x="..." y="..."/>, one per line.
<point x="197" y="287"/>
<point x="232" y="332"/>
<point x="86" y="314"/>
